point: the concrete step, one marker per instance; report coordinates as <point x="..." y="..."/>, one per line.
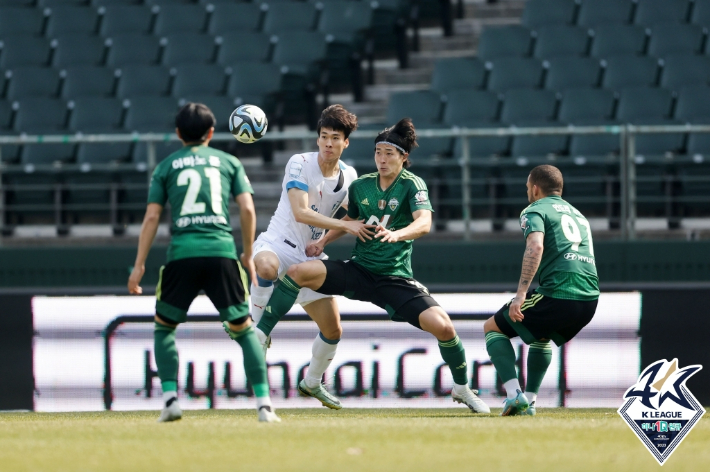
<point x="500" y="9"/>
<point x="474" y="26"/>
<point x="413" y="75"/>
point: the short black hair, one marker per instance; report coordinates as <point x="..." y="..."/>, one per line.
<point x="194" y="120"/>
<point x="548" y="178"/>
<point x="403" y="135"/>
<point x="337" y="118"/>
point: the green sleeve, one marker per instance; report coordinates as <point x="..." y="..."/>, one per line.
<point x="353" y="210"/>
<point x="241" y="182"/>
<point x="157" y="193"/>
<point x="531" y="223"/>
<point x="418" y="196"/>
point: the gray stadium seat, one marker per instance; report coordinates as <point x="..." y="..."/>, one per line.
<point x="701" y="13"/>
<point x="593" y="13"/>
<point x="87" y="81"/>
<point x="682" y="70"/>
<point x="72" y="19"/>
<point x="121" y="19"/>
<point x="527" y="105"/>
<point x="103" y="153"/>
<point x="640" y="104"/>
<point x="693" y="104"/>
<point x="17" y="20"/>
<point x="668" y="39"/>
<point x="505" y="41"/>
<point x="41" y="115"/>
<point x="561" y="40"/>
<point x="79" y="49"/>
<point x="32" y="81"/>
<point x="97" y="115"/>
<point x="653" y="12"/>
<point x="613" y="40"/>
<point x="572" y="72"/>
<point x="546" y="12"/>
<point x="192" y="79"/>
<point x="291" y="16"/>
<point x="458" y="73"/>
<point x="181" y="18"/>
<point x="236" y="17"/>
<point x="140" y="80"/>
<point x="255" y="82"/>
<point x="515" y="72"/>
<point x="630" y="71"/>
<point x="584" y="105"/>
<point x="241" y="46"/>
<point x="24" y="50"/>
<point x="471" y="105"/>
<point x="151" y="114"/>
<point x="191" y="48"/>
<point x="423" y="107"/>
<point x="132" y="48"/>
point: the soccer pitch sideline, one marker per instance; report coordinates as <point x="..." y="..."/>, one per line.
<point x="346" y="440"/>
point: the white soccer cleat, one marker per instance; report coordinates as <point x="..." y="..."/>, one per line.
<point x="171" y="411"/>
<point x="266" y="415"/>
<point x="469" y="398"/>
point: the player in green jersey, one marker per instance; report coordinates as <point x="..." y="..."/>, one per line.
<point x="380" y="270"/>
<point x="559" y="244"/>
<point x="198" y="182"/>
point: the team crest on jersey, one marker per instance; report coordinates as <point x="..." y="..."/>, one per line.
<point x="421" y="197"/>
<point x="524" y="222"/>
<point x="660" y="409"/>
<point x="393" y="203"/>
<point x="381" y="204"/>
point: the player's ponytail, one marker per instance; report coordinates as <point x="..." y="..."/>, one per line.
<point x="402" y="136"/>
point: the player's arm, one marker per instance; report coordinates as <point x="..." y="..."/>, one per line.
<point x="299" y="205"/>
<point x="316" y="249"/>
<point x="531" y="262"/>
<point x="145" y="241"/>
<point x="416" y="229"/>
<point x="247" y="218"/>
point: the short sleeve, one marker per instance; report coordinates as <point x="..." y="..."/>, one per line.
<point x="418" y="196"/>
<point x="531" y="223"/>
<point x="353" y="209"/>
<point x="157" y="192"/>
<point x="241" y="183"/>
<point x="296" y="173"/>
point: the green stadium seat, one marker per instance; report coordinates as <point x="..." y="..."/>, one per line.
<point x="220" y="105"/>
<point x="615" y="39"/>
<point x="44" y="115"/>
<point x="162" y="150"/>
<point x="483" y="146"/>
<point x="695" y="188"/>
<point x="505" y="41"/>
<point x="103" y="153"/>
<point x="561" y="40"/>
<point x="539" y="13"/>
<point x="193" y="79"/>
<point x="6" y="113"/>
<point x="24" y="50"/>
<point x="423" y="107"/>
<point x="142" y="80"/>
<point x="683" y="70"/>
<point x="183" y="48"/>
<point x="585" y="146"/>
<point x="471" y="105"/>
<point x="87" y="81"/>
<point x="583" y="105"/>
<point x="181" y="18"/>
<point x="572" y="72"/>
<point x="541" y="145"/>
<point x="593" y="13"/>
<point x="79" y="49"/>
<point x="301" y="55"/>
<point x="516" y="72"/>
<point x="653" y="188"/>
<point x="361" y="154"/>
<point x="701" y="13"/>
<point x="236" y="17"/>
<point x="32" y="195"/>
<point x="106" y="3"/>
<point x="56" y="3"/>
<point x="630" y="71"/>
<point x="653" y="12"/>
<point x="17" y="20"/>
<point x="97" y="115"/>
<point x="346" y="20"/>
<point x="133" y="48"/>
<point x="9" y="153"/>
<point x="525" y="105"/>
<point x="87" y="197"/>
<point x="121" y="19"/>
<point x="669" y="39"/>
<point x="652" y="148"/>
<point x="32" y="81"/>
<point x="643" y="103"/>
<point x="46" y="154"/>
<point x="65" y="19"/>
<point x="458" y="73"/>
<point x="151" y="115"/>
<point x="241" y="46"/>
<point x="585" y="187"/>
<point x="429" y="148"/>
<point x="257" y="83"/>
<point x="134" y="193"/>
<point x="291" y="16"/>
<point x="693" y="105"/>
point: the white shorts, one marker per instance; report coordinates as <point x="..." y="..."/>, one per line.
<point x="288" y="256"/>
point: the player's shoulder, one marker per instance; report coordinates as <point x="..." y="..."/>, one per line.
<point x="349" y="171"/>
<point x="365" y="178"/>
<point x="223" y="156"/>
<point x="410" y="179"/>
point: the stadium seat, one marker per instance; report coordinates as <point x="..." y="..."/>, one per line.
<point x="72" y="19"/>
<point x="653" y="12"/>
<point x="693" y="104"/>
<point x="121" y="19"/>
<point x="181" y="18"/>
<point x="97" y="115"/>
<point x="585" y="187"/>
<point x="302" y="53"/>
<point x="516" y="72"/>
<point x="539" y="146"/>
<point x="572" y="72"/>
<point x="643" y="103"/>
<point x="695" y="187"/>
<point x="701" y="13"/>
<point x="45" y="154"/>
<point x="585" y="146"/>
<point x="151" y="114"/>
<point x="79" y="49"/>
<point x="9" y="153"/>
<point x="87" y="195"/>
<point x="683" y="70"/>
<point x="430" y="148"/>
<point x="561" y="40"/>
<point x="16" y="20"/>
<point x="42" y="115"/>
<point x="193" y="79"/>
<point x="593" y="13"/>
<point x="585" y="105"/>
<point x="240" y="46"/>
<point x="699" y="147"/>
<point x="346" y="20"/>
<point x="236" y="17"/>
<point x="32" y="81"/>
<point x="103" y="153"/>
<point x="458" y="73"/>
<point x="291" y="16"/>
<point x="132" y="48"/>
<point x="134" y="192"/>
<point x="55" y="3"/>
<point x="423" y="107"/>
<point x="162" y="150"/>
<point x="471" y="105"/>
<point x="483" y="146"/>
<point x="668" y="39"/>
<point x="220" y="105"/>
<point x="361" y="154"/>
<point x="614" y="40"/>
<point x="192" y="48"/>
<point x="549" y="12"/>
<point x="630" y="71"/>
<point x="525" y="105"/>
<point x="34" y="193"/>
<point x="140" y="80"/>
<point x="652" y="146"/>
<point x="257" y="83"/>
<point x="24" y="50"/>
<point x="87" y="81"/>
<point x="505" y="41"/>
<point x="6" y="113"/>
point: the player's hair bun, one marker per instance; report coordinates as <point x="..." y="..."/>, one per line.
<point x="401" y="134"/>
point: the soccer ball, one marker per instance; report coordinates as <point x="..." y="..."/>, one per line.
<point x="248" y="124"/>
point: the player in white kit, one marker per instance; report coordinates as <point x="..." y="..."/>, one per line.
<point x="315" y="186"/>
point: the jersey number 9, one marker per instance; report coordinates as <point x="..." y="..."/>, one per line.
<point x="574" y="235"/>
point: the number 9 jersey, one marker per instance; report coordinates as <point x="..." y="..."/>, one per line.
<point x="567" y="269"/>
<point x="199" y="181"/>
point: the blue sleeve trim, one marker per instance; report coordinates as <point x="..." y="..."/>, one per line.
<point x="297" y="184"/>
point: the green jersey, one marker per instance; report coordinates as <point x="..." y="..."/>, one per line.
<point x="198" y="181"/>
<point x="567" y="269"/>
<point x="392" y="208"/>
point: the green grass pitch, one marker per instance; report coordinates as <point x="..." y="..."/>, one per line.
<point x="336" y="441"/>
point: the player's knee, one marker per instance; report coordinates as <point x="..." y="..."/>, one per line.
<point x="296" y="273"/>
<point x="266" y="270"/>
<point x="447" y="331"/>
<point x="490" y="325"/>
<point x="333" y="333"/>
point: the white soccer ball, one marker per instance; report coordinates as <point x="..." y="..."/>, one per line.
<point x="248" y="124"/>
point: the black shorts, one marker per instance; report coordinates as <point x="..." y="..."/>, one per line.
<point x="403" y="299"/>
<point x="222" y="279"/>
<point x="547" y="318"/>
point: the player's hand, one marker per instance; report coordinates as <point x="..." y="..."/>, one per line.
<point x="514" y="309"/>
<point x="359" y="229"/>
<point x="135" y="279"/>
<point x="386" y="235"/>
<point x="314" y="250"/>
<point x="248" y="264"/>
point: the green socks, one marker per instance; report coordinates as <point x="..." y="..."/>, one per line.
<point x="502" y="355"/>
<point x="254" y="363"/>
<point x="166" y="356"/>
<point x="278" y="305"/>
<point x="539" y="357"/>
<point x="454" y="355"/>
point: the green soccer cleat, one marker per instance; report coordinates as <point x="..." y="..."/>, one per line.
<point x="320" y="394"/>
<point x="530" y="411"/>
<point x="515" y="406"/>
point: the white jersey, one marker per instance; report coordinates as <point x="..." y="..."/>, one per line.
<point x="325" y="196"/>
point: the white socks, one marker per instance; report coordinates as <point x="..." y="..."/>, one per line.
<point x="323" y="353"/>
<point x="167" y="396"/>
<point x="511" y="388"/>
<point x="531" y="396"/>
<point x="459" y="389"/>
<point x="259" y="298"/>
<point x="263" y="401"/>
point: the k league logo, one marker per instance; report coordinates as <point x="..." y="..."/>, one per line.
<point x="660" y="409"/>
